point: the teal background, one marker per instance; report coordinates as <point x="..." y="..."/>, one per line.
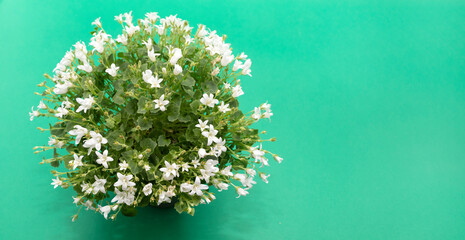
<point x="368" y="98"/>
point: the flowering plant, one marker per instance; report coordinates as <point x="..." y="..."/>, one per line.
<point x="151" y="118"/>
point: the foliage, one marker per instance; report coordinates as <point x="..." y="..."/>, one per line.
<point x="151" y="117"/>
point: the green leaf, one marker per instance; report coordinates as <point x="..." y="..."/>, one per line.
<point x="162" y="141"/>
<point x="129" y="157"/>
<point x="128" y="211"/>
<point x="209" y="86"/>
<point x="115" y="136"/>
<point x="148" y="143"/>
<point x="195" y="105"/>
<point x="131" y="107"/>
<point x="118" y="99"/>
<point x="188" y="82"/>
<point x="57" y="130"/>
<point x="236" y="116"/>
<point x="144" y="123"/>
<point x="188" y="91"/>
<point x="234" y="103"/>
<point x="180" y="207"/>
<point x="174" y="108"/>
<point x="141" y="105"/>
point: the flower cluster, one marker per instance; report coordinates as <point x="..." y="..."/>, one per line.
<point x="151" y="117"/>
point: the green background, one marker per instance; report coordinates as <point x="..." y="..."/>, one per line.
<point x="369" y="114"/>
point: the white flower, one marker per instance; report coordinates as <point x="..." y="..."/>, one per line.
<point x="148" y="43"/>
<point x="131" y="29"/>
<point x="77" y="162"/>
<point x="176" y="54"/>
<point x="251" y="172"/>
<point x="185" y="167"/>
<point x="123" y="166"/>
<point x="242" y="56"/>
<point x="62" y="88"/>
<point x="67" y="103"/>
<point x="160" y="29"/>
<point x="246" y="181"/>
<point x="241" y="192"/>
<point x="60" y="144"/>
<point x="201" y="32"/>
<point x="56" y="182"/>
<point x="99" y="185"/>
<point x="223" y="108"/>
<point x="278" y="158"/>
<point x="97" y="22"/>
<point x="202" y="153"/>
<point x="103" y="159"/>
<point x="265" y="106"/>
<point x="128" y="18"/>
<point x="170" y="171"/>
<point x="85" y="187"/>
<point x="105" y="211"/>
<point x="152" y="16"/>
<point x="113" y="70"/>
<point x="152" y="55"/>
<point x="42" y="105"/>
<point x="177" y="69"/>
<point x="146" y="75"/>
<point x="147" y="189"/>
<point x="126" y="196"/>
<point x="147" y="167"/>
<point x="237" y="65"/>
<point x="227" y="171"/>
<point x="89" y="204"/>
<point x="264" y="177"/>
<point x="86" y="103"/>
<point x="76" y="200"/>
<point x="227" y="58"/>
<point x="237" y="91"/>
<point x="208" y="100"/>
<point x="197" y="187"/>
<point x="202" y="125"/>
<point x="227" y="85"/>
<point x="188" y="39"/>
<point x="195" y="162"/>
<point x="85" y="67"/>
<point x="79" y="132"/>
<point x="161" y="103"/>
<point x="80" y="51"/>
<point x="259" y="155"/>
<point x="257" y="114"/>
<point x="222" y="186"/>
<point x="150" y="79"/>
<point x="95" y="142"/>
<point x="215" y="71"/>
<point x="209" y="169"/>
<point x="165" y="196"/>
<point x="124" y="181"/>
<point x="119" y="18"/>
<point x="61" y="111"/>
<point x="267" y="114"/>
<point x="33" y="114"/>
<point x="123" y="39"/>
<point x="98" y="43"/>
<point x="186" y="187"/>
<point x="219" y="147"/>
<point x="211" y="135"/>
<point x="52" y="141"/>
<point x="246" y="67"/>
